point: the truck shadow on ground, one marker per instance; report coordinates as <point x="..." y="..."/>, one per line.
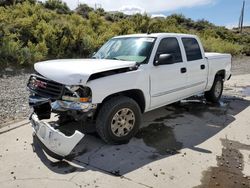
<point x="164" y="133"/>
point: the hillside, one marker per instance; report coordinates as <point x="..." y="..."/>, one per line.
<point x="31" y="31"/>
<point x="246" y="29"/>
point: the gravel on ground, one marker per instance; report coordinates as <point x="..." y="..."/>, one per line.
<point x="13" y="98"/>
<point x="241" y="65"/>
<point x="14" y="95"/>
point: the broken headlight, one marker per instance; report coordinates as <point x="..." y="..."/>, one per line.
<point x="77" y="94"/>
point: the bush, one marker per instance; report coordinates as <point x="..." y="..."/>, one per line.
<point x="31" y="32"/>
<point x="246" y="50"/>
<point x="222" y="46"/>
<point x="57" y="5"/>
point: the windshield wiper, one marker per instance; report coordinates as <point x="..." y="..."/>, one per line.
<point x="115" y="58"/>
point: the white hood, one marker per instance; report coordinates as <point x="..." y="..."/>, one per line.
<point x="77" y="71"/>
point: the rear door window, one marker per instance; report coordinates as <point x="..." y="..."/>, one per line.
<point x="192" y="48"/>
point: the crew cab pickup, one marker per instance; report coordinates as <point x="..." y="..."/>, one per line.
<point x="128" y="76"/>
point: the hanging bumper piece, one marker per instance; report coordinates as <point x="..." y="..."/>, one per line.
<point x="54" y="140"/>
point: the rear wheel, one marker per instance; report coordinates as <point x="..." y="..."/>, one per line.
<point x="118" y="120"/>
<point x="215" y="93"/>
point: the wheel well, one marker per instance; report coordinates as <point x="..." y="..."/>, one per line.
<point x="221" y="73"/>
<point x="134" y="94"/>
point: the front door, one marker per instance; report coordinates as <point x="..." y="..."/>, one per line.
<point x="168" y="80"/>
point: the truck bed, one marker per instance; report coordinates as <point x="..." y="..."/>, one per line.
<point x="218" y="62"/>
<point x="213" y="55"/>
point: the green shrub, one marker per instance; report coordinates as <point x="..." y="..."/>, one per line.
<point x="222" y="46"/>
<point x="31" y="32"/>
<point x="246" y="50"/>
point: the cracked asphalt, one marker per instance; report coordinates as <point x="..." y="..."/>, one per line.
<point x="189" y="144"/>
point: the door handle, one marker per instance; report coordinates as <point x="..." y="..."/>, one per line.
<point x="203" y="67"/>
<point x="183" y="70"/>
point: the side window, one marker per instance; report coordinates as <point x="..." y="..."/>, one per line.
<point x="192" y="49"/>
<point x="170" y="46"/>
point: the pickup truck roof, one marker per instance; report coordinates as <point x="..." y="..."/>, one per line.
<point x="158" y="35"/>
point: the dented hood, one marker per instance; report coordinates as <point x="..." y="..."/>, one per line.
<point x="77" y="71"/>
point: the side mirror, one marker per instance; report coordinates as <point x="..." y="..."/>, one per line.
<point x="164" y="59"/>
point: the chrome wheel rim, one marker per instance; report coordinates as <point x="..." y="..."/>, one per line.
<point x="123" y="122"/>
<point x="217" y="89"/>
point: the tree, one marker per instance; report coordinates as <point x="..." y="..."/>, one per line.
<point x="84" y="10"/>
<point x="31" y="32"/>
<point x="14" y="2"/>
<point x="57" y="5"/>
<point x="101" y="11"/>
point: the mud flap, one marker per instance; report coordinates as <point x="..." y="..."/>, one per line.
<point x="54" y="140"/>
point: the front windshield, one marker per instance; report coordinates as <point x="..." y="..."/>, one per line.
<point x="127" y="49"/>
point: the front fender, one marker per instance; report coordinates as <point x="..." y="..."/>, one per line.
<point x="106" y="86"/>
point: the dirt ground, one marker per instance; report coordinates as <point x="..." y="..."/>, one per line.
<point x="191" y="144"/>
<point x="241" y="65"/>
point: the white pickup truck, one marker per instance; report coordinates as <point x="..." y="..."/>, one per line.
<point x="128" y="76"/>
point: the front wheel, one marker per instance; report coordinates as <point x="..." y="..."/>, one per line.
<point x="215" y="93"/>
<point x="118" y="120"/>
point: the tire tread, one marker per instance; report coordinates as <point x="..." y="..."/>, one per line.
<point x="209" y="95"/>
<point x="104" y="114"/>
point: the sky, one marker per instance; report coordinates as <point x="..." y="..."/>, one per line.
<point x="220" y="12"/>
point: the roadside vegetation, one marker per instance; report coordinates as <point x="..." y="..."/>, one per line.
<point x="32" y="31"/>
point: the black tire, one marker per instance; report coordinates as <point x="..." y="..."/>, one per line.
<point x="105" y="118"/>
<point x="215" y="93"/>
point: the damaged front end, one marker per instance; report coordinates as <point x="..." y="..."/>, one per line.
<point x="72" y="102"/>
<point x="54" y="140"/>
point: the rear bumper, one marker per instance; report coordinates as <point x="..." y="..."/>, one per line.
<point x="54" y="140"/>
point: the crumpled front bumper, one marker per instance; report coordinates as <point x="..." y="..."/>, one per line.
<point x="60" y="105"/>
<point x="54" y="140"/>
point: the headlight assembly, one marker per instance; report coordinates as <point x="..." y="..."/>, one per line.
<point x="77" y="94"/>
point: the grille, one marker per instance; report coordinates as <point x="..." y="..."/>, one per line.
<point x="44" y="87"/>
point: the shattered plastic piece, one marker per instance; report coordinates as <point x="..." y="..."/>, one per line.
<point x="54" y="140"/>
<point x="66" y="105"/>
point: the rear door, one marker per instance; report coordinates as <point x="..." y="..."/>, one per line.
<point x="197" y="66"/>
<point x="168" y="80"/>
